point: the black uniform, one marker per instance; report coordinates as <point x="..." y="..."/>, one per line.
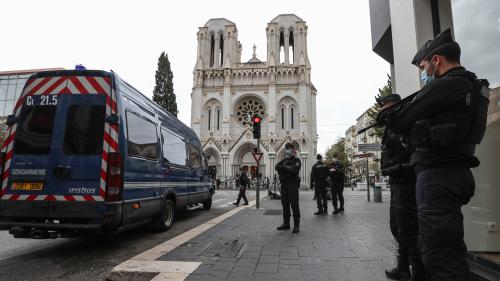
<point x="319" y="181"/>
<point x="337" y="186"/>
<point x="446" y="126"/>
<point x="288" y="171"/>
<point x="244" y="181"/>
<point x="403" y="210"/>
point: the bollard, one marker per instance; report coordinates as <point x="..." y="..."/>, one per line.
<point x="377" y="193"/>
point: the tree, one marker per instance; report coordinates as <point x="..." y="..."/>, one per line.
<point x="339" y="149"/>
<point x="163" y="93"/>
<point x="374" y="110"/>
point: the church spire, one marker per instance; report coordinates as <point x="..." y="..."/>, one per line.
<point x="254" y="55"/>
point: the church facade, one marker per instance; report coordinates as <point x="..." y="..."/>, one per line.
<point x="227" y="93"/>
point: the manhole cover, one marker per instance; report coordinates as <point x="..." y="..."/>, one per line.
<point x="273" y="212"/>
<point x="229" y="249"/>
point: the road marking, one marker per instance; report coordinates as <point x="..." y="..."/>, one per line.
<point x="146" y="262"/>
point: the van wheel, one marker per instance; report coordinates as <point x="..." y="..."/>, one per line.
<point x="207" y="204"/>
<point x="166" y="217"/>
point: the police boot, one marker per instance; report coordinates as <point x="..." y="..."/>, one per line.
<point x="295" y="227"/>
<point x="319" y="212"/>
<point x="400" y="272"/>
<point x="284" y="226"/>
<point x="418" y="272"/>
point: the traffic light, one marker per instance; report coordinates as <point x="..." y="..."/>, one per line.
<point x="256" y="126"/>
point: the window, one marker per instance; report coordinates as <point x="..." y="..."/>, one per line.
<point x="291" y="46"/>
<point x="282" y="118"/>
<point x="218" y="119"/>
<point x="221" y="49"/>
<point x="84" y="130"/>
<point x="209" y="119"/>
<point x="282" y="47"/>
<point x="142" y="137"/>
<point x="174" y="148"/>
<point x="291" y="117"/>
<point x="194" y="156"/>
<point x="34" y="133"/>
<point x="212" y="50"/>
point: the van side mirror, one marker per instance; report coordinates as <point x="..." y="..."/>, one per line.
<point x="112" y="119"/>
<point x="11" y="120"/>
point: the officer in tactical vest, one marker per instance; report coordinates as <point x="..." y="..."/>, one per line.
<point x="319" y="182"/>
<point x="288" y="171"/>
<point x="337" y="178"/>
<point x="403" y="209"/>
<point x="445" y="121"/>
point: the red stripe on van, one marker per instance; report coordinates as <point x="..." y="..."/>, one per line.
<point x="32" y="197"/>
<point x="88" y="198"/>
<point x="8" y="140"/>
<point x="54" y="86"/>
<point x="50" y="197"/>
<point x="96" y="85"/>
<point x="14" y="197"/>
<point x="110" y="141"/>
<point x="20" y="101"/>
<point x="6" y="174"/>
<point x="78" y="85"/>
<point x="69" y="198"/>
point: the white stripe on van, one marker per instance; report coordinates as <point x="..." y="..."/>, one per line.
<point x="46" y="86"/>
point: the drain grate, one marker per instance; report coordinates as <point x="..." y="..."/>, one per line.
<point x="273" y="212"/>
<point x="228" y="249"/>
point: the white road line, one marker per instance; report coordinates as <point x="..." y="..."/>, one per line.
<point x="177" y="271"/>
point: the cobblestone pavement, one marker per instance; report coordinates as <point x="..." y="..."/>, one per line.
<point x="355" y="245"/>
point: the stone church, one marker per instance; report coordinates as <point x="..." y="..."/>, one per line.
<point x="228" y="92"/>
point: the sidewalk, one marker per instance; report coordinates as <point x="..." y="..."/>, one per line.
<point x="356" y="245"/>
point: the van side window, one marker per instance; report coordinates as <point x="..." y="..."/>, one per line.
<point x="142" y="137"/>
<point x="84" y="130"/>
<point x="174" y="148"/>
<point x="34" y="133"/>
<point x="194" y="156"/>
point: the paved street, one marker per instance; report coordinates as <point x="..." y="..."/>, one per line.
<point x="355" y="245"/>
<point x="92" y="258"/>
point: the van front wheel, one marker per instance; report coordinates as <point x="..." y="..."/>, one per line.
<point x="166" y="217"/>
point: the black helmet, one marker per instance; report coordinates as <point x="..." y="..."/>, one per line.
<point x="289" y="145"/>
<point x="442" y="43"/>
<point x="319" y="157"/>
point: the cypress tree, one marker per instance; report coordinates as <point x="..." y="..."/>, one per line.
<point x="163" y="93"/>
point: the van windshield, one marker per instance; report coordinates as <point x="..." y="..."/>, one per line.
<point x="84" y="130"/>
<point x="34" y="133"/>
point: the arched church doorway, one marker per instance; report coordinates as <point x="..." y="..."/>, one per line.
<point x="213" y="160"/>
<point x="243" y="160"/>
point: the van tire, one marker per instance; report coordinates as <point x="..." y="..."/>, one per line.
<point x="207" y="204"/>
<point x="166" y="218"/>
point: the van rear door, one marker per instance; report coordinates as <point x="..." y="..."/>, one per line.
<point x="58" y="146"/>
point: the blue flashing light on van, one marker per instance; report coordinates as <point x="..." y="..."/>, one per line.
<point x="87" y="153"/>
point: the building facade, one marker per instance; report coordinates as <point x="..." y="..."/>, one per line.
<point x="398" y="29"/>
<point x="228" y="92"/>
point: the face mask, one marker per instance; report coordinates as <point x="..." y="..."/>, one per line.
<point x="288" y="152"/>
<point x="428" y="78"/>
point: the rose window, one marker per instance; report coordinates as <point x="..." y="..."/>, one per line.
<point x="247" y="109"/>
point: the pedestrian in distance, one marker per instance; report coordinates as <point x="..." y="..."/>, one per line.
<point x="288" y="172"/>
<point x="337" y="185"/>
<point x="444" y="122"/>
<point x="319" y="182"/>
<point x="396" y="152"/>
<point x="244" y="181"/>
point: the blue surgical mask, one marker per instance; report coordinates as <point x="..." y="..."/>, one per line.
<point x="428" y="78"/>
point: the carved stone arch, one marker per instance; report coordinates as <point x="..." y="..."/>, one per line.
<point x="245" y="107"/>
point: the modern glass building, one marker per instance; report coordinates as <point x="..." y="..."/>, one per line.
<point x="11" y="86"/>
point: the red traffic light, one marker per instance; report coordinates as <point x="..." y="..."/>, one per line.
<point x="256" y="119"/>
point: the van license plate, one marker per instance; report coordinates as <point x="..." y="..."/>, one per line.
<point x="27" y="186"/>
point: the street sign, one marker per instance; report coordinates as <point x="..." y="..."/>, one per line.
<point x="369" y="147"/>
<point x="363" y="155"/>
<point x="257" y="156"/>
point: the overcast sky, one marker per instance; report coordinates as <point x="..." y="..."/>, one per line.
<point x="128" y="37"/>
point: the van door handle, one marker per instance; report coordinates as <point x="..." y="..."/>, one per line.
<point x="62" y="171"/>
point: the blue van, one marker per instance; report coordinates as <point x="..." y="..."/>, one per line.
<point x="86" y="152"/>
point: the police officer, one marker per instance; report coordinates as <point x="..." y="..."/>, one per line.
<point x="337" y="185"/>
<point x="244" y="182"/>
<point x="319" y="181"/>
<point x="403" y="210"/>
<point x="288" y="172"/>
<point x="447" y="119"/>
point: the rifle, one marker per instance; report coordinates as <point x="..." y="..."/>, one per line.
<point x="387" y="113"/>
